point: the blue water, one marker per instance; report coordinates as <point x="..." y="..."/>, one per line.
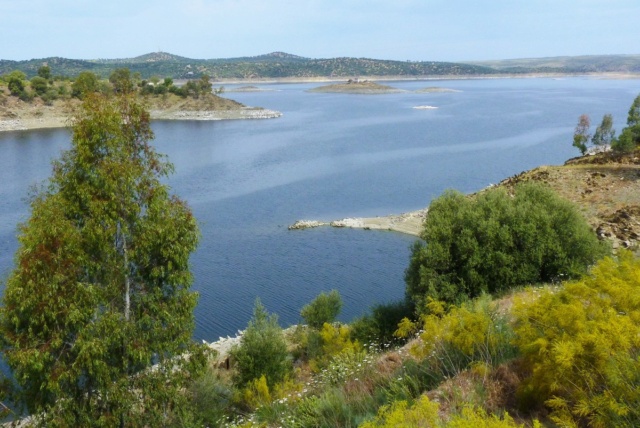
<point x="330" y="156"/>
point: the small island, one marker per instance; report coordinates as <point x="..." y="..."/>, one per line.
<point x="354" y="86"/>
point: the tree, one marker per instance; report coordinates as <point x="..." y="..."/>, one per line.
<point x="323" y="309"/>
<point x="630" y="136"/>
<point x="45" y="72"/>
<point x="579" y="346"/>
<point x="262" y="350"/>
<point x="39" y="85"/>
<point x="86" y="83"/>
<point x="101" y="287"/>
<point x="122" y="81"/>
<point x="495" y="241"/>
<point x="605" y="134"/>
<point x="581" y="135"/>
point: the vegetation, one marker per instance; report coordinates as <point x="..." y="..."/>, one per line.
<point x="262" y="351"/>
<point x="604" y="137"/>
<point x="100" y="290"/>
<point x="323" y="309"/>
<point x="496" y="241"/>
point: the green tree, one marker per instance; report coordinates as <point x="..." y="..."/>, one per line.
<point x="45" y="72"/>
<point x="323" y="309"/>
<point x="630" y="136"/>
<point x="581" y="135"/>
<point x="101" y="287"/>
<point x="262" y="350"/>
<point x="496" y="241"/>
<point x="86" y="83"/>
<point x="605" y="134"/>
<point x="39" y="85"/>
<point x="122" y="81"/>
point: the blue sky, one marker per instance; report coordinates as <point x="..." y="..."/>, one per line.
<point x="420" y="30"/>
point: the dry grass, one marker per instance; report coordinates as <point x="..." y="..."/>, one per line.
<point x="605" y="188"/>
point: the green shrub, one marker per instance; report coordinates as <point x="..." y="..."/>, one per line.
<point x="211" y="398"/>
<point x="495" y="241"/>
<point x="323" y="309"/>
<point x="262" y="350"/>
<point x="380" y="325"/>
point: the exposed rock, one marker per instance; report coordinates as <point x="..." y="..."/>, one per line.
<point x="306" y="224"/>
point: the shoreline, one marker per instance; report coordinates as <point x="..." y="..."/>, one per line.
<point x="409" y="223"/>
<point x="426" y="78"/>
<point x="52" y="122"/>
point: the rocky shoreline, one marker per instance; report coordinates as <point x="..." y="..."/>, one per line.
<point x="409" y="223"/>
<point x="54" y="121"/>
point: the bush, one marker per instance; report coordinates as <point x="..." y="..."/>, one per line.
<point x="424" y="413"/>
<point x="495" y="241"/>
<point x="323" y="309"/>
<point x="381" y="324"/>
<point x="262" y="350"/>
<point x="211" y="398"/>
<point x="581" y="345"/>
<point x="474" y="334"/>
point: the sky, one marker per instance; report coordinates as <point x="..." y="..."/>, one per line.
<point x="417" y="30"/>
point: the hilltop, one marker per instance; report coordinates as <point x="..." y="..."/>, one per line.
<point x="282" y="65"/>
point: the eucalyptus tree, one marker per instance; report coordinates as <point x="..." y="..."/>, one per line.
<point x="101" y="287"/>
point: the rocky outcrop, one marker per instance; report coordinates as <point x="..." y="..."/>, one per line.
<point x="306" y="224"/>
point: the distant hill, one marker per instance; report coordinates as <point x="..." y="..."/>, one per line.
<point x="283" y="65"/>
<point x="567" y="64"/>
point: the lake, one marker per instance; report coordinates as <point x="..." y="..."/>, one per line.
<point x="331" y="156"/>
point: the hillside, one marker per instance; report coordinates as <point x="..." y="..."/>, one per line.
<point x="283" y="65"/>
<point x="567" y="64"/>
<point x="273" y="65"/>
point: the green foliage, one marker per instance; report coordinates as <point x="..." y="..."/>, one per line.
<point x="624" y="143"/>
<point x="605" y="134"/>
<point x="581" y="135"/>
<point x="100" y="290"/>
<point x="122" y="81"/>
<point x="15" y="85"/>
<point x="39" y="85"/>
<point x="495" y="241"/>
<point x="86" y="83"/>
<point x="262" y="350"/>
<point x="45" y="72"/>
<point x="581" y="345"/>
<point x="323" y="309"/>
<point x="380" y="325"/>
<point x="211" y="398"/>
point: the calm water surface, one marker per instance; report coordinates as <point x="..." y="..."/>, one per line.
<point x="330" y="156"/>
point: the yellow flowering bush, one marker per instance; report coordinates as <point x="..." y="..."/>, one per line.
<point x="582" y="346"/>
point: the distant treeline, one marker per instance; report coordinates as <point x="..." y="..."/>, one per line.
<point x="282" y="65"/>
